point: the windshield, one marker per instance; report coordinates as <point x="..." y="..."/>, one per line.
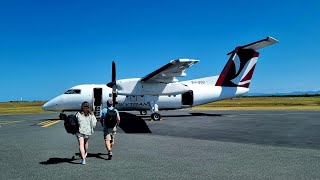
<point x="73" y="91"/>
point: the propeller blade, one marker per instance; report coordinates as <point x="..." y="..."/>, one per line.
<point x="113" y="84"/>
<point x="113" y="71"/>
<point x="113" y="76"/>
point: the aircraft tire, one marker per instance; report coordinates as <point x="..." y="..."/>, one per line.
<point x="144" y="112"/>
<point x="156" y="116"/>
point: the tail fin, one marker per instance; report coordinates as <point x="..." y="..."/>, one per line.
<point x="239" y="69"/>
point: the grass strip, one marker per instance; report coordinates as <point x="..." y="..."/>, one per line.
<point x="239" y="103"/>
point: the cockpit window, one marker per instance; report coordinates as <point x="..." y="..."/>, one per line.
<point x="73" y="91"/>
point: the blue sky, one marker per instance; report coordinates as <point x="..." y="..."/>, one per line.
<point x="47" y="47"/>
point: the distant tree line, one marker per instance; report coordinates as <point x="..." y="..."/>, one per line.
<point x="300" y="95"/>
<point x="27" y="101"/>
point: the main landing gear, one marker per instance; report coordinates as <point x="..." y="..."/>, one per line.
<point x="154" y="111"/>
<point x="154" y="116"/>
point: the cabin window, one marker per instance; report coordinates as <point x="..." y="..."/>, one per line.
<point x="73" y="91"/>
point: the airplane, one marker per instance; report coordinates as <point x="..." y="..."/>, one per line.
<point x="161" y="90"/>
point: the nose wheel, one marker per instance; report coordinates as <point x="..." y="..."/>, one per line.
<point x="144" y="112"/>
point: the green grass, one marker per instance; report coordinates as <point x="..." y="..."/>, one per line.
<point x="21" y="107"/>
<point x="265" y="103"/>
<point x="240" y="103"/>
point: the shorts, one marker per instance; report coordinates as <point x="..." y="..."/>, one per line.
<point x="78" y="135"/>
<point x="109" y="133"/>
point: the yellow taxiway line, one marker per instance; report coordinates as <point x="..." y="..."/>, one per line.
<point x="48" y="123"/>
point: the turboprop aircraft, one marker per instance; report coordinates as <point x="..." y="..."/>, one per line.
<point x="161" y="90"/>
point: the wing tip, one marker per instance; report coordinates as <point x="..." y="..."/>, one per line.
<point x="183" y="60"/>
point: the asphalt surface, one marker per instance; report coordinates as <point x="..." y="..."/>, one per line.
<point x="184" y="145"/>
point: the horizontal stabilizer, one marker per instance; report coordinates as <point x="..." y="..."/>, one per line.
<point x="258" y="44"/>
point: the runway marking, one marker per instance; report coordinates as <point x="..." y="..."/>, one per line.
<point x="231" y="115"/>
<point x="8" y="122"/>
<point x="48" y="123"/>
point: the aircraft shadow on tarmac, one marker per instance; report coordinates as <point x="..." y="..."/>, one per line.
<point x="131" y="123"/>
<point x="56" y="160"/>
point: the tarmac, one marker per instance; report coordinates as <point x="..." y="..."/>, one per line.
<point x="185" y="144"/>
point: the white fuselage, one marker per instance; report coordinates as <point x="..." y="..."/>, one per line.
<point x="161" y="90"/>
<point x="185" y="94"/>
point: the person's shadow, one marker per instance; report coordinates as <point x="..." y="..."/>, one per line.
<point x="94" y="155"/>
<point x="56" y="160"/>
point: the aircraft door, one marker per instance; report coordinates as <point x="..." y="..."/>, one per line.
<point x="97" y="101"/>
<point x="187" y="98"/>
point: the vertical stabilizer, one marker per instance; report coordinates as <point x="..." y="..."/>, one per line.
<point x="242" y="62"/>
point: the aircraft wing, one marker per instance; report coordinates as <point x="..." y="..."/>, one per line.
<point x="169" y="72"/>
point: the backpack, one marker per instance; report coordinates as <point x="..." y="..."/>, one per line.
<point x="71" y="124"/>
<point x="110" y="118"/>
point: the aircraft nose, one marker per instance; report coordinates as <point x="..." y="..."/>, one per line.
<point x="54" y="104"/>
<point x="48" y="106"/>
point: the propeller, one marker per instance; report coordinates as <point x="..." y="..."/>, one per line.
<point x="113" y="84"/>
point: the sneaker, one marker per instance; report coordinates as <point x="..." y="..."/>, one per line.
<point x="83" y="162"/>
<point x="110" y="154"/>
<point x="86" y="154"/>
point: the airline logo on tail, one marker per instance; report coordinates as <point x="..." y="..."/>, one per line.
<point x="240" y="67"/>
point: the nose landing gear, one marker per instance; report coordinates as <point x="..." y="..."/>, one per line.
<point x="144" y="112"/>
